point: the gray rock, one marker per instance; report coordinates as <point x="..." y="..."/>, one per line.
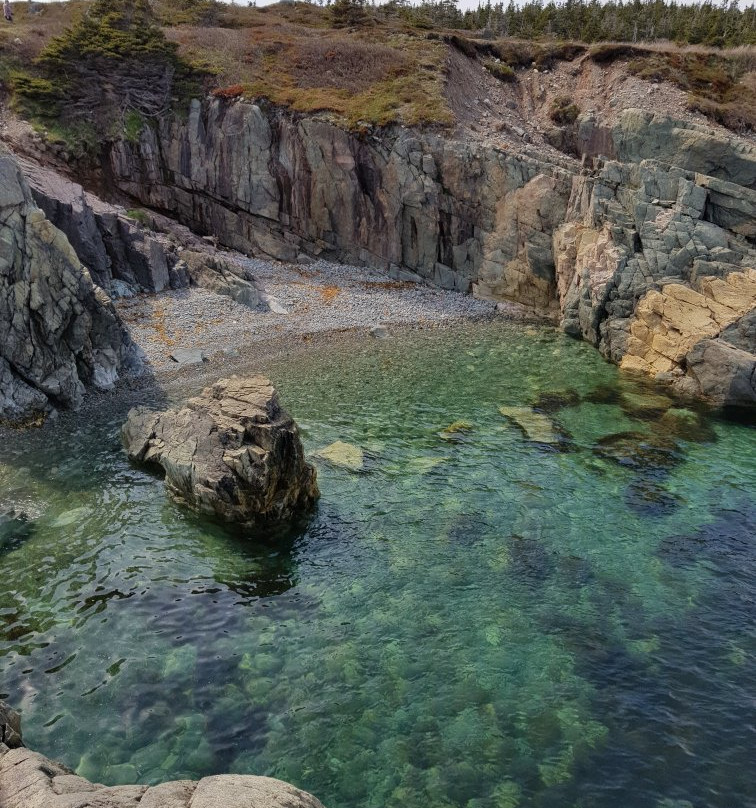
<point x="233" y="452"/>
<point x="660" y="198"/>
<point x="188" y="356"/>
<point x="222" y="277"/>
<point x="58" y="330"/>
<point x="725" y="375"/>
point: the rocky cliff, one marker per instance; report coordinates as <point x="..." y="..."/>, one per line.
<point x="58" y="330"/>
<point x="654" y="203"/>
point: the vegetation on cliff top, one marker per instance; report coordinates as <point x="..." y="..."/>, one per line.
<point x="105" y="75"/>
<point x="95" y="70"/>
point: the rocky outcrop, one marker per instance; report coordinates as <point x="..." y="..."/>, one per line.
<point x="642" y="135"/>
<point x="124" y="256"/>
<point x="30" y="780"/>
<point x="271" y="183"/>
<point x="655" y="201"/>
<point x="654" y="259"/>
<point x="670" y="323"/>
<point x="232" y="452"/>
<point x="58" y="330"/>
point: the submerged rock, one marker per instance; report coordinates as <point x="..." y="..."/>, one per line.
<point x="346" y="455"/>
<point x="455" y="430"/>
<point x="536" y="426"/>
<point x="30" y="780"/>
<point x="232" y="452"/>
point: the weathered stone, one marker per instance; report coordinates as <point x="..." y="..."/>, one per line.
<point x="188" y="356"/>
<point x="725" y="375"/>
<point x="232" y="452"/>
<point x="343" y="454"/>
<point x="58" y="331"/>
<point x="536" y="426"/>
<point x="670" y="323"/>
<point x="267" y="182"/>
<point x="10" y="727"/>
<point x="222" y="277"/>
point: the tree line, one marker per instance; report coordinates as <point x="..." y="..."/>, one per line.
<point x="704" y="23"/>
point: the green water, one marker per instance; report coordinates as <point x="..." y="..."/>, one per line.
<point x="474" y="619"/>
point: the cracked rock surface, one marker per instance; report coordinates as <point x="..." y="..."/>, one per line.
<point x="58" y="330"/>
<point x="232" y="452"/>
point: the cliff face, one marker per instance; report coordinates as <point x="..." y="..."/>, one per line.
<point x="58" y="331"/>
<point x="654" y="203"/>
<point x="266" y="182"/>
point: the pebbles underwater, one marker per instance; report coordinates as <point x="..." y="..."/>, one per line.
<point x="471" y="620"/>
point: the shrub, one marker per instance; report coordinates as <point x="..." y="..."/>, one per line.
<point x="133" y="123"/>
<point x="111" y="70"/>
<point x="348" y="13"/>
<point x="345" y="64"/>
<point x="501" y="71"/>
<point x="234" y="91"/>
<point x="563" y="111"/>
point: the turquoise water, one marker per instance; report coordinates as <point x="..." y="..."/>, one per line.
<point x="473" y="619"/>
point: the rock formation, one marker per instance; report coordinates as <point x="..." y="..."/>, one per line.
<point x="58" y="330"/>
<point x="30" y="780"/>
<point x="663" y="201"/>
<point x="232" y="452"/>
<point x="125" y="257"/>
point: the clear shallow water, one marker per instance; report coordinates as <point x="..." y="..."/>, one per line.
<point x="475" y="619"/>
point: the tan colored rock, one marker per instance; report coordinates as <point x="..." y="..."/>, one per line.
<point x="670" y="322"/>
<point x="244" y="791"/>
<point x="536" y="426"/>
<point x="343" y="454"/>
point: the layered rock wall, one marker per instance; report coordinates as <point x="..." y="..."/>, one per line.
<point x="654" y="259"/>
<point x="457" y="214"/>
<point x="58" y="330"/>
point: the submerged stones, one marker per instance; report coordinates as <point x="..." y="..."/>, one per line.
<point x="345" y="455"/>
<point x="30" y="780"/>
<point x="232" y="452"/>
<point x="535" y="425"/>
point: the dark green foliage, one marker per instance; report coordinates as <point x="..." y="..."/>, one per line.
<point x="112" y="71"/>
<point x="192" y="12"/>
<point x="721" y="25"/>
<point x="348" y="13"/>
<point x="563" y="111"/>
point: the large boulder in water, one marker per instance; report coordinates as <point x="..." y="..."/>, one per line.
<point x="232" y="452"/>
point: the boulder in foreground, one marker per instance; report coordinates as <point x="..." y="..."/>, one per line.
<point x="232" y="452"/>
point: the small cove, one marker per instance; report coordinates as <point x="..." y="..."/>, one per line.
<point x="475" y="618"/>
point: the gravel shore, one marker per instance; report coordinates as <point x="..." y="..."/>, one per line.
<point x="321" y="297"/>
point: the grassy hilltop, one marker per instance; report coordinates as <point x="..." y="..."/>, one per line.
<point x="88" y="71"/>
